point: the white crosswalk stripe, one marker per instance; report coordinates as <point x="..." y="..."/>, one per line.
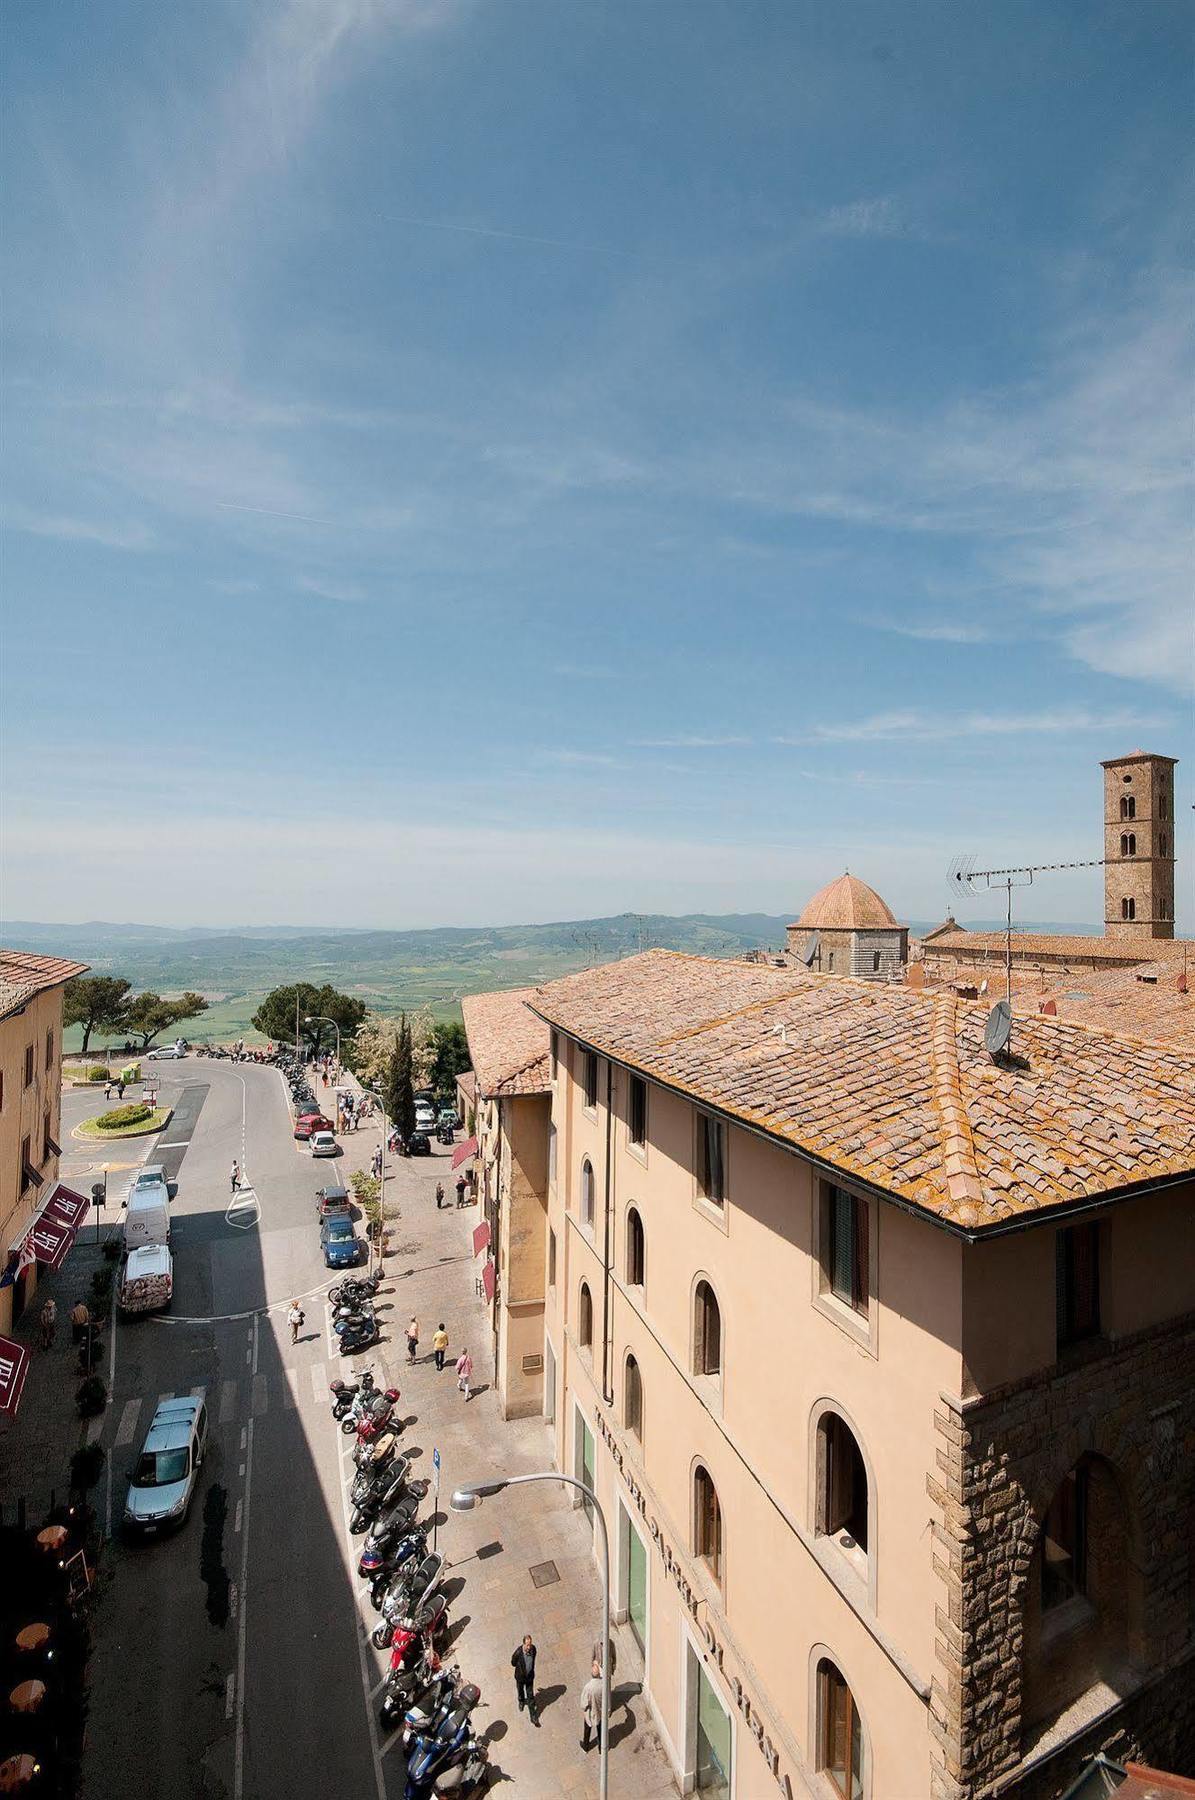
<point x="319" y="1383"/>
<point x="126" y="1431"/>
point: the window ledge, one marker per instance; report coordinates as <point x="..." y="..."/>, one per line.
<point x="638" y="1151"/>
<point x="1065" y="1621"/>
<point x="846" y="1569"/>
<point x="708" y="1389"/>
<point x="856" y="1325"/>
<point x="712" y="1210"/>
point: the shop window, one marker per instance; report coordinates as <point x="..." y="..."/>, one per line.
<point x="707" y="1522"/>
<point x="840" y="1749"/>
<point x="636" y="1249"/>
<point x="632" y="1399"/>
<point x="1064" y="1542"/>
<point x="591" y="1080"/>
<point x="711" y="1158"/>
<point x="845" y="1247"/>
<point x="585" y="1318"/>
<point x="842" y="1478"/>
<point x="1077" y="1283"/>
<point x="707" y="1331"/>
<point x="587" y="1193"/>
<point x="637" y="1113"/>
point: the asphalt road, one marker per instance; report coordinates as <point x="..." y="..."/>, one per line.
<point x="226" y="1659"/>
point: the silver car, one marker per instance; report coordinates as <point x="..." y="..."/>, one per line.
<point x="162" y="1484"/>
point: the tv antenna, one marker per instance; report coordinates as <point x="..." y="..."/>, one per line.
<point x="963" y="878"/>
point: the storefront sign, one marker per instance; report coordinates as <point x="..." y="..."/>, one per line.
<point x="14" y="1366"/>
<point x="673" y="1567"/>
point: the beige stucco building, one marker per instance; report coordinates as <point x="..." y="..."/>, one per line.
<point x="30" y="1103"/>
<point x="880" y="1356"/>
<point x="509" y="1095"/>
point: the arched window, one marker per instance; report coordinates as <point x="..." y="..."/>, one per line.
<point x="840" y="1749"/>
<point x="585" y="1317"/>
<point x="707" y="1522"/>
<point x="632" y="1399"/>
<point x="587" y="1192"/>
<point x="636" y="1249"/>
<point x="842" y="1484"/>
<point x="1163" y="807"/>
<point x="707" y="1331"/>
<point x="1128" y="806"/>
<point x="1128" y="908"/>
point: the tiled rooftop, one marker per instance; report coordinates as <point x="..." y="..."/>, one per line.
<point x="1026" y="945"/>
<point x="894" y="1086"/>
<point x="508" y="1043"/>
<point x="22" y="975"/>
<point x="1146" y="1001"/>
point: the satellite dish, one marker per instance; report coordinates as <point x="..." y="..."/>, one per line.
<point x="998" y="1029"/>
<point x="810" y="951"/>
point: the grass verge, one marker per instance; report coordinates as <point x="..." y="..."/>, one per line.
<point x="90" y="1127"/>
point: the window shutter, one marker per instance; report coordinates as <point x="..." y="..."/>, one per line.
<point x="859" y="1212"/>
<point x="841" y="1207"/>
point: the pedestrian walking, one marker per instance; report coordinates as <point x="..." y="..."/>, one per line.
<point x="80" y="1320"/>
<point x="120" y="1090"/>
<point x="597" y="1655"/>
<point x="523" y="1664"/>
<point x="49" y="1320"/>
<point x="460" y="1190"/>
<point x="235" y="1177"/>
<point x="440" y="1344"/>
<point x="439" y="1195"/>
<point x="413" y="1339"/>
<point x="295" y="1319"/>
<point x="591" y="1708"/>
<point x="464" y="1374"/>
<point x="108" y="1089"/>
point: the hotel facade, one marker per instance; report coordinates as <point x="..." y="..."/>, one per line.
<point x="878" y="1352"/>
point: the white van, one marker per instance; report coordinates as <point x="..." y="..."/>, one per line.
<point x="147" y="1218"/>
<point x="148" y="1280"/>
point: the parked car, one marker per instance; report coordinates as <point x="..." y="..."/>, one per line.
<point x="162" y="1483"/>
<point x="425" y="1119"/>
<point x="310" y="1122"/>
<point x="147" y="1216"/>
<point x="333" y="1199"/>
<point x="419" y="1144"/>
<point x="154" y="1175"/>
<point x="448" y="1116"/>
<point x="323" y="1143"/>
<point x="148" y="1279"/>
<point x="165" y="1053"/>
<point x="339" y="1242"/>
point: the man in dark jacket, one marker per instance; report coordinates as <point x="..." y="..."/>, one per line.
<point x="523" y="1664"/>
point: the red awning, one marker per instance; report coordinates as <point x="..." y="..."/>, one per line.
<point x="463" y="1152"/>
<point x="487" y="1280"/>
<point x="14" y="1366"/>
<point x="50" y="1242"/>
<point x="481" y="1237"/>
<point x="66" y="1207"/>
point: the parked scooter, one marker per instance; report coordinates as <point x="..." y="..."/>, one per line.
<point x="432" y="1756"/>
<point x="412" y="1639"/>
<point x="379" y="1567"/>
<point x="372" y="1451"/>
<point x="345" y="1393"/>
<point x="429" y="1709"/>
<point x="465" y="1774"/>
<point x="360" y="1333"/>
<point x="411" y="1589"/>
<point x="386" y="1532"/>
<point x="369" y="1412"/>
<point x="356" y="1288"/>
<point x="374" y="1493"/>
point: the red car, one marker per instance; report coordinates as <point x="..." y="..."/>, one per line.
<point x="308" y="1122"/>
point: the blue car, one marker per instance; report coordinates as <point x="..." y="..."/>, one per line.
<point x="340" y="1244"/>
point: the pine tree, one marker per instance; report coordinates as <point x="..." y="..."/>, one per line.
<point x="400" y="1083"/>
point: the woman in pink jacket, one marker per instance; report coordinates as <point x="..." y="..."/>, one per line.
<point x="464" y="1372"/>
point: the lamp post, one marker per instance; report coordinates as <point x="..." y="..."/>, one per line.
<point x="464" y="1499"/>
<point x="323" y="1019"/>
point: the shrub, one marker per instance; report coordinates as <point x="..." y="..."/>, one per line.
<point x="124" y="1115"/>
<point x="86" y="1466"/>
<point x="91" y="1397"/>
<point x="112" y="1249"/>
<point x="85" y="1071"/>
<point x="101" y="1282"/>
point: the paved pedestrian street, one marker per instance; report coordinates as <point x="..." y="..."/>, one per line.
<point x="231" y="1659"/>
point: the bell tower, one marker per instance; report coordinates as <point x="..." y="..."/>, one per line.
<point x="1139" y="846"/>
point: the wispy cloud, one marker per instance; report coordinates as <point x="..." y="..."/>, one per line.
<point x="946" y="632"/>
<point x="690" y="741"/>
<point x="326" y="588"/>
<point x="880" y="216"/>
<point x="909" y="725"/>
<point x="107" y="533"/>
<point x="583" y="759"/>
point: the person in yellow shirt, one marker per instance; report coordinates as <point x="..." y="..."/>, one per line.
<point x="440" y="1344"/>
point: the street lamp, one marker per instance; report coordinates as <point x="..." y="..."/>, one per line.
<point x="464" y="1499"/>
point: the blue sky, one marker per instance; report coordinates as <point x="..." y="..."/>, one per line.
<point x="493" y="462"/>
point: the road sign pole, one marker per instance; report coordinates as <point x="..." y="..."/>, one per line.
<point x="436" y="1493"/>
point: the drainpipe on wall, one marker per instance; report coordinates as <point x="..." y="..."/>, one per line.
<point x="607" y="1381"/>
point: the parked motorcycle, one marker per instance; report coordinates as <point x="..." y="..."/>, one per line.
<point x="379" y="1567"/>
<point x="359" y="1334"/>
<point x="377" y="1493"/>
<point x="413" y="1638"/>
<point x="410" y="1589"/>
<point x="354" y="1289"/>
<point x="369" y="1413"/>
<point x="386" y="1530"/>
<point x="429" y="1709"/>
<point x="375" y="1450"/>
<point x="432" y="1756"/>
<point x="466" y="1773"/>
<point x="345" y="1393"/>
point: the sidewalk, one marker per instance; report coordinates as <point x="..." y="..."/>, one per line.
<point x="494" y="1548"/>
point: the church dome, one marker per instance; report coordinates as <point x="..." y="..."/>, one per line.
<point x="847" y="904"/>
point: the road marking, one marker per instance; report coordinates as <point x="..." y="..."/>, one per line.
<point x="238" y="1779"/>
<point x="228" y="1401"/>
<point x="254" y="1312"/>
<point x="261" y="1395"/>
<point x="244" y="1435"/>
<point x="229" y="1691"/>
<point x="126" y="1431"/>
<point x="319" y="1393"/>
<point x="237" y="1527"/>
<point x="248" y="1355"/>
<point x="184" y="1144"/>
<point x="255" y="1342"/>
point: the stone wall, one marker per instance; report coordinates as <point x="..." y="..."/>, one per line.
<point x="1001" y="1676"/>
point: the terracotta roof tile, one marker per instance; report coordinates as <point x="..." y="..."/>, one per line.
<point x="847" y="904"/>
<point x="24" y="974"/>
<point x="509" y="1044"/>
<point x="895" y="1086"/>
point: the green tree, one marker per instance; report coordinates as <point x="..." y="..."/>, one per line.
<point x="97" y="1003"/>
<point x="275" y="1017"/>
<point x="450" y="1058"/>
<point x="373" y="1049"/>
<point x="149" y="1014"/>
<point x="400" y="1083"/>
